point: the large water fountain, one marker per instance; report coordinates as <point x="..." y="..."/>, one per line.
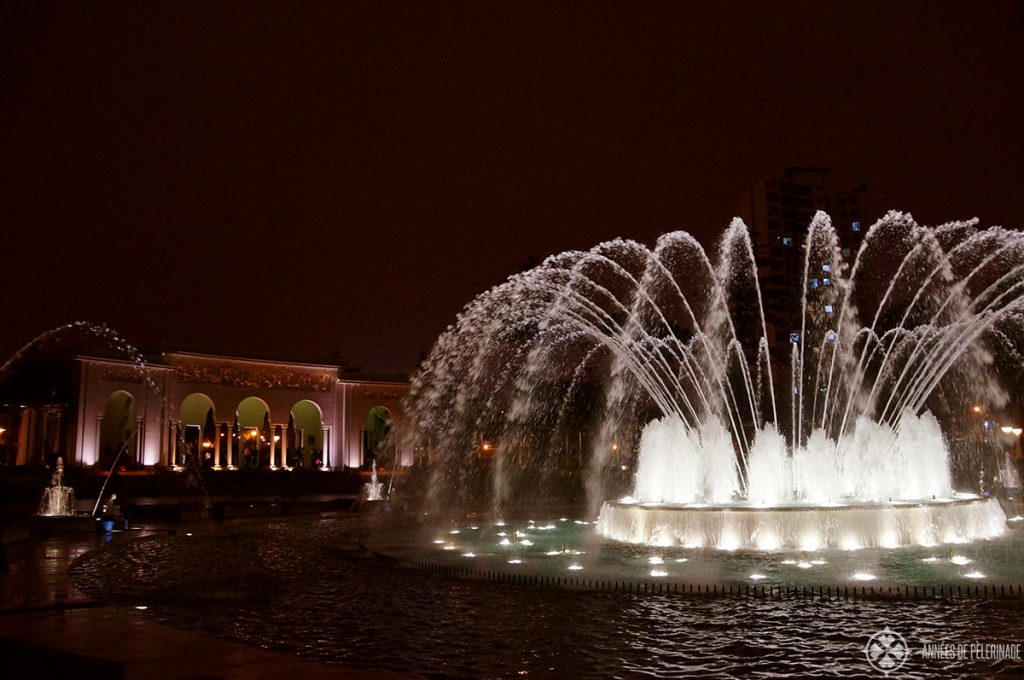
<point x="858" y="434"/>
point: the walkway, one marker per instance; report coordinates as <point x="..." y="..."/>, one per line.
<point x="48" y="629"/>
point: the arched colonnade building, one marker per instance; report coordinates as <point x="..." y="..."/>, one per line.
<point x="233" y="413"/>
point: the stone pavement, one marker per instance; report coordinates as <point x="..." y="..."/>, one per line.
<point x="48" y="629"/>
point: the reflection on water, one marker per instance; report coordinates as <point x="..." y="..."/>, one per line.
<point x="303" y="588"/>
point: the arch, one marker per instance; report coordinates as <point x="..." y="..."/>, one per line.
<point x="254" y="434"/>
<point x="377" y="440"/>
<point x="195" y="409"/>
<point x="198" y="423"/>
<point x="307" y="422"/>
<point x="252" y="412"/>
<point x="117" y="427"/>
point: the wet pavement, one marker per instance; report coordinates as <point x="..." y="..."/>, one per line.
<point x="50" y="629"/>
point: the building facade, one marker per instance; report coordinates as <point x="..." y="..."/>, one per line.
<point x="778" y="211"/>
<point x="220" y="412"/>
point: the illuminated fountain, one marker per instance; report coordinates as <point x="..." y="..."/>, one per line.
<point x="373" y="490"/>
<point x="57" y="500"/>
<point x="663" y="359"/>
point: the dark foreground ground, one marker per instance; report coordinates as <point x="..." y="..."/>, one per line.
<point x="48" y="629"/>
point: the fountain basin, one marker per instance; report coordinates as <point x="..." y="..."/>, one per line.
<point x="848" y="526"/>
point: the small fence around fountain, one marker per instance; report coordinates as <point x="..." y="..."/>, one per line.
<point x="824" y="593"/>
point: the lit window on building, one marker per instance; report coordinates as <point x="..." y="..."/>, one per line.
<point x="855" y="226"/>
<point x="828" y="309"/>
<point x="787" y="240"/>
<point x="830" y="336"/>
<point x="794" y="337"/>
<point x="826" y="282"/>
<point x="813" y="283"/>
<point x="826" y="267"/>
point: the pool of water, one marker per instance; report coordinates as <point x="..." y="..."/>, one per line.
<point x="302" y="586"/>
<point x="567" y="547"/>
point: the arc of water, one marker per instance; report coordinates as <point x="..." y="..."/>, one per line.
<point x="943" y="266"/>
<point x="945" y="354"/>
<point x="820" y="221"/>
<point x="732" y="415"/>
<point x="960" y="287"/>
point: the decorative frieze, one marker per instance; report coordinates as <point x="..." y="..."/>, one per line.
<point x="121" y="374"/>
<point x="257" y="378"/>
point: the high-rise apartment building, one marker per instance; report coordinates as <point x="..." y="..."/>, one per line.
<point x="778" y="211"/>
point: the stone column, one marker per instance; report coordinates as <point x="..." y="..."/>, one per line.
<point x="174" y="443"/>
<point x="216" y="447"/>
<point x="273" y="429"/>
<point x="231" y="445"/>
<point x="284" y="446"/>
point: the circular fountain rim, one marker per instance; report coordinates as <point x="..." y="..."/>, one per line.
<point x="747" y="506"/>
<point x="804" y="528"/>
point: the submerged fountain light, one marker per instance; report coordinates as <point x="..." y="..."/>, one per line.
<point x="662" y="361"/>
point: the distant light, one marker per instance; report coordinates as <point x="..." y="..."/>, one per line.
<point x="757" y="577"/>
<point x="1017" y="431"/>
<point x="526" y="541"/>
<point x="658" y="573"/>
<point x="141" y="607"/>
<point x="656" y="559"/>
<point x="682" y="559"/>
<point x="469" y="554"/>
<point x="439" y="541"/>
<point x="624" y="467"/>
<point x="933" y="558"/>
<point x="976" y="408"/>
<point x="975" y="574"/>
<point x="1006" y="429"/>
<point x="188" y="533"/>
<point x="863" y="576"/>
<point x="515" y="561"/>
<point x="960" y="560"/>
<point x="454" y="531"/>
<point x="505" y="541"/>
<point x="575" y="567"/>
<point x="804" y="565"/>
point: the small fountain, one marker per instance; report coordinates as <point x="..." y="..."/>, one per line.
<point x="373" y="489"/>
<point x="57" y="508"/>
<point x="58" y="500"/>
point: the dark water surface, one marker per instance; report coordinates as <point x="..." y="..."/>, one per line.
<point x="301" y="587"/>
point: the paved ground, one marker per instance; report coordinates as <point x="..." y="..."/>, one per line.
<point x="48" y="629"/>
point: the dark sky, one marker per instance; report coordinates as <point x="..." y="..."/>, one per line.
<point x="286" y="179"/>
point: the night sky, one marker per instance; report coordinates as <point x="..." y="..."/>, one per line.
<point x="286" y="180"/>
